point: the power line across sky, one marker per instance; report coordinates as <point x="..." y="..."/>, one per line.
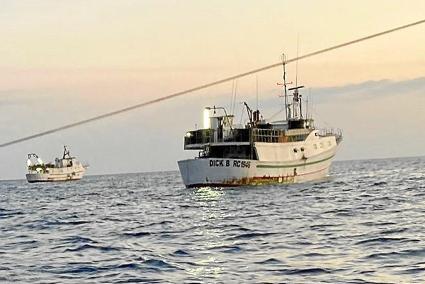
<point x="200" y="87"/>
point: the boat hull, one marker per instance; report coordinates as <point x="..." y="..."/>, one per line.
<point x="237" y="172"/>
<point x="54" y="177"/>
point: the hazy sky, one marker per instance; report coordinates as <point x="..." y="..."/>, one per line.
<point x="68" y="60"/>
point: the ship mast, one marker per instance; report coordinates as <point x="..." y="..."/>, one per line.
<point x="284" y="87"/>
<point x="296" y="103"/>
<point x="297" y="112"/>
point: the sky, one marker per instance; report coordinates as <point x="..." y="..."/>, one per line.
<point x="63" y="61"/>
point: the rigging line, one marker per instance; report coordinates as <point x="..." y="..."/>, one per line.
<point x="204" y="86"/>
<point x="275" y="114"/>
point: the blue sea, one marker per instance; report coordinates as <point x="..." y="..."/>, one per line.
<point x="364" y="224"/>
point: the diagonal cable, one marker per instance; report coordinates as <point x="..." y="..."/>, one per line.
<point x="181" y="93"/>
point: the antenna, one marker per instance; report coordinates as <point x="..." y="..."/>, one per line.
<point x="296" y="63"/>
<point x="307" y="101"/>
<point x="284" y="85"/>
<point x="296" y="99"/>
<point x="256" y="88"/>
<point x="231" y="98"/>
<point x="234" y="96"/>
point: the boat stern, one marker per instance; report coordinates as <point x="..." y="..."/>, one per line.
<point x="215" y="172"/>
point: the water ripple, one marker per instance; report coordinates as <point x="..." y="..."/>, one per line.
<point x="362" y="225"/>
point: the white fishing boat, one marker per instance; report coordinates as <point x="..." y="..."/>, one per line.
<point x="261" y="152"/>
<point x="66" y="168"/>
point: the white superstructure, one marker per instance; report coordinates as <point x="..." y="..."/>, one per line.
<point x="64" y="169"/>
<point x="260" y="152"/>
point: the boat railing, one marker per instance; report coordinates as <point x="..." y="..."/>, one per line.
<point x="198" y="138"/>
<point x="205" y="136"/>
<point x="279" y="136"/>
<point x="267" y="135"/>
<point x="324" y="132"/>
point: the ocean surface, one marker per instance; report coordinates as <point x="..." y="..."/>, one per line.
<point x="365" y="224"/>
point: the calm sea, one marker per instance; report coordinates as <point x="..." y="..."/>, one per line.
<point x="365" y="224"/>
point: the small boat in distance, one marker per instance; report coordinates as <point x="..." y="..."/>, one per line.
<point x="260" y="152"/>
<point x="65" y="169"/>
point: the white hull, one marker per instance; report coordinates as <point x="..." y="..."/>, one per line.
<point x="277" y="163"/>
<point x="230" y="172"/>
<point x="60" y="174"/>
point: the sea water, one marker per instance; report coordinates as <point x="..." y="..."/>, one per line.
<point x="364" y="224"/>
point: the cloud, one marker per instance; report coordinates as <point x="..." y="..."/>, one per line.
<point x="360" y="91"/>
<point x="376" y="117"/>
<point x="371" y="89"/>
